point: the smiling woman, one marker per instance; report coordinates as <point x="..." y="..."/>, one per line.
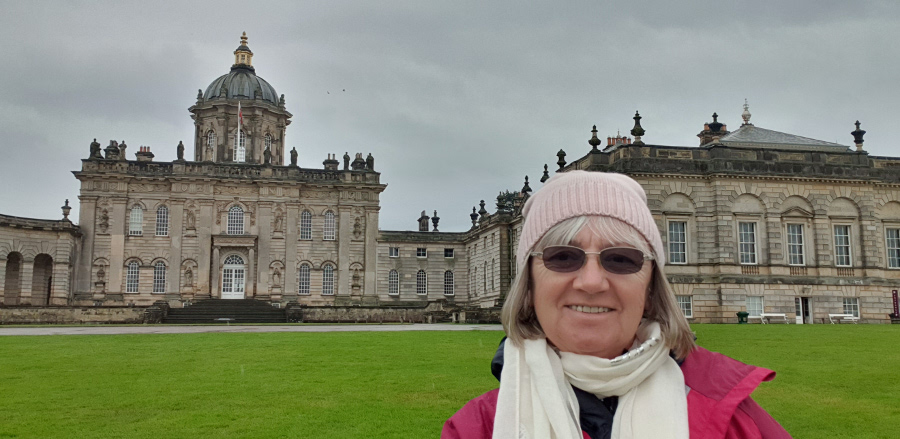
<point x="597" y="345"/>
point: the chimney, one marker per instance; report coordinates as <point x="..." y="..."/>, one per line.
<point x="144" y="154"/>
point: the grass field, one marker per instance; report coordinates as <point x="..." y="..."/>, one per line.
<point x="840" y="381"/>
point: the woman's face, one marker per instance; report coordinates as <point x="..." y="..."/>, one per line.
<point x="620" y="299"/>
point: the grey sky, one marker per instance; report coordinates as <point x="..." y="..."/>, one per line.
<point x="456" y="100"/>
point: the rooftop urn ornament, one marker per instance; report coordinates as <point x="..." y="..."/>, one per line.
<point x="526" y="189"/>
<point x="715" y="125"/>
<point x="562" y="160"/>
<point x="65" y="210"/>
<point x="858" y="137"/>
<point x="434" y="220"/>
<point x="474" y="217"/>
<point x="638" y="130"/>
<point x="482" y="212"/>
<point x="594" y="142"/>
<point x="746" y="114"/>
<point x="546" y="175"/>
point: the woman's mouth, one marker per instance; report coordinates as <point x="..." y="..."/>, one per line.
<point x="588" y="309"/>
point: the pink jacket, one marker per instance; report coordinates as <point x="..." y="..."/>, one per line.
<point x="719" y="403"/>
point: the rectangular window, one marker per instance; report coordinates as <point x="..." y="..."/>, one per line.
<point x="159" y="278"/>
<point x="448" y="283"/>
<point x="131" y="278"/>
<point x="795" y="244"/>
<point x="328" y="280"/>
<point x="329" y="226"/>
<point x="448" y="252"/>
<point x="306" y="225"/>
<point x="421" y="252"/>
<point x="747" y="243"/>
<point x="686" y="304"/>
<point x="136" y="222"/>
<point x="755" y="305"/>
<point x="303" y="280"/>
<point x="842" y="245"/>
<point x="421" y="283"/>
<point x="893" y="247"/>
<point x="162" y="221"/>
<point x="851" y="306"/>
<point x="394" y="252"/>
<point x="677" y="242"/>
<point x="393" y="283"/>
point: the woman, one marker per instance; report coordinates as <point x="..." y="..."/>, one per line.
<point x="596" y="345"/>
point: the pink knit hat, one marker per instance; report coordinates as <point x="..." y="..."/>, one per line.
<point x="580" y="193"/>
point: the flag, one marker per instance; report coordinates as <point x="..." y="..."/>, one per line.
<point x="240" y="116"/>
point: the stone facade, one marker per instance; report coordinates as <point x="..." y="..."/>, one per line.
<point x="753" y="220"/>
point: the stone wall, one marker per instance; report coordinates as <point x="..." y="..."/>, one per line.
<point x="71" y="315"/>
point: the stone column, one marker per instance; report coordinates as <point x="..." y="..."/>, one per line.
<point x="207" y="268"/>
<point x="25" y="280"/>
<point x="264" y="244"/>
<point x="176" y="231"/>
<point x="371" y="259"/>
<point x="291" y="255"/>
<point x="250" y="292"/>
<point x="776" y="245"/>
<point x="820" y="251"/>
<point x="86" y="222"/>
<point x="117" y="227"/>
<point x="344" y="233"/>
<point x="214" y="274"/>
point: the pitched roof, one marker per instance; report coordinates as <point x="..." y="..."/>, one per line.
<point x="749" y="136"/>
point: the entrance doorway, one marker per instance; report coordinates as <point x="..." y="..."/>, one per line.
<point x="802" y="310"/>
<point x="233" y="275"/>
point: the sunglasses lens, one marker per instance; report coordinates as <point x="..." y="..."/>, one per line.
<point x="622" y="260"/>
<point x="563" y="259"/>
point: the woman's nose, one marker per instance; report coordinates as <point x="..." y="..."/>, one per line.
<point x="592" y="277"/>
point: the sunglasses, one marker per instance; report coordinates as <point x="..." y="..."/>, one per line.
<point x="618" y="260"/>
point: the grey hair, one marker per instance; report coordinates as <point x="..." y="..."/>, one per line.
<point x="518" y="315"/>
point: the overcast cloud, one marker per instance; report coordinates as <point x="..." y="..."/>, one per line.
<point x="456" y="101"/>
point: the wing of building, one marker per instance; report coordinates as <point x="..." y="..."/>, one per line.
<point x="780" y="226"/>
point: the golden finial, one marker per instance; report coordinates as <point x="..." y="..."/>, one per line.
<point x="244" y="39"/>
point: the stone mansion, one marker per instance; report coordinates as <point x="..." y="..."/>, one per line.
<point x="786" y="228"/>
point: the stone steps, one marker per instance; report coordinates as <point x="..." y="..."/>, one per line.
<point x="217" y="311"/>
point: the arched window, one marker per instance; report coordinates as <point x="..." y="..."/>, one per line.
<point x="268" y="142"/>
<point x="136" y="221"/>
<point x="328" y="280"/>
<point x="448" y="283"/>
<point x="329" y="226"/>
<point x="305" y="225"/>
<point x="235" y="221"/>
<point x="162" y="221"/>
<point x="211" y="142"/>
<point x="131" y="277"/>
<point x="394" y="283"/>
<point x="303" y="280"/>
<point x="240" y="149"/>
<point x="484" y="276"/>
<point x="493" y="262"/>
<point x="234" y="260"/>
<point x="421" y="283"/>
<point x="159" y="277"/>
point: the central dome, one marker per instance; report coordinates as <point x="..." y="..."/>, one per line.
<point x="241" y="83"/>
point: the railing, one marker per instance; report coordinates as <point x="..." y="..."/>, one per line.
<point x="749" y="269"/>
<point x="798" y="271"/>
<point x="848" y="272"/>
<point x="237" y="170"/>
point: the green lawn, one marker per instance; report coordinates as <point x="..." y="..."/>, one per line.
<point x="840" y="381"/>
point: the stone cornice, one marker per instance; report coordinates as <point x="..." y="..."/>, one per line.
<point x="39" y="224"/>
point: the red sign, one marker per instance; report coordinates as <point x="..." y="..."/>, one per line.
<point x="896" y="304"/>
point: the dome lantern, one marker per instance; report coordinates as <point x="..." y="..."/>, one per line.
<point x="243" y="57"/>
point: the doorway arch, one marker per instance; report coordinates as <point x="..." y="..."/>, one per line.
<point x="234" y="275"/>
<point x="42" y="279"/>
<point x="12" y="286"/>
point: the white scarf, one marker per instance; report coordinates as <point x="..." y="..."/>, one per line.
<point x="536" y="400"/>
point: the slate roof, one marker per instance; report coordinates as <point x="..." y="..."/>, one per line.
<point x="749" y="136"/>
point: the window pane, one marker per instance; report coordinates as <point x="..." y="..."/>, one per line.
<point x="328" y="280"/>
<point x="677" y="242"/>
<point x="159" y="278"/>
<point x="305" y="225"/>
<point x="795" y="244"/>
<point x="851" y="306"/>
<point x="393" y="283"/>
<point x="747" y="242"/>
<point x="394" y="252"/>
<point x="448" y="252"/>
<point x="235" y="221"/>
<point x="131" y="278"/>
<point x="136" y="221"/>
<point x="842" y="245"/>
<point x="893" y="247"/>
<point x="329" y="226"/>
<point x="448" y="283"/>
<point x="755" y="305"/>
<point x="421" y="284"/>
<point x="303" y="280"/>
<point x="421" y="252"/>
<point x="686" y="305"/>
<point x="162" y="221"/>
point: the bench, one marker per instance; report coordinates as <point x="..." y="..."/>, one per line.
<point x="227" y="320"/>
<point x="769" y="315"/>
<point x="842" y="317"/>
